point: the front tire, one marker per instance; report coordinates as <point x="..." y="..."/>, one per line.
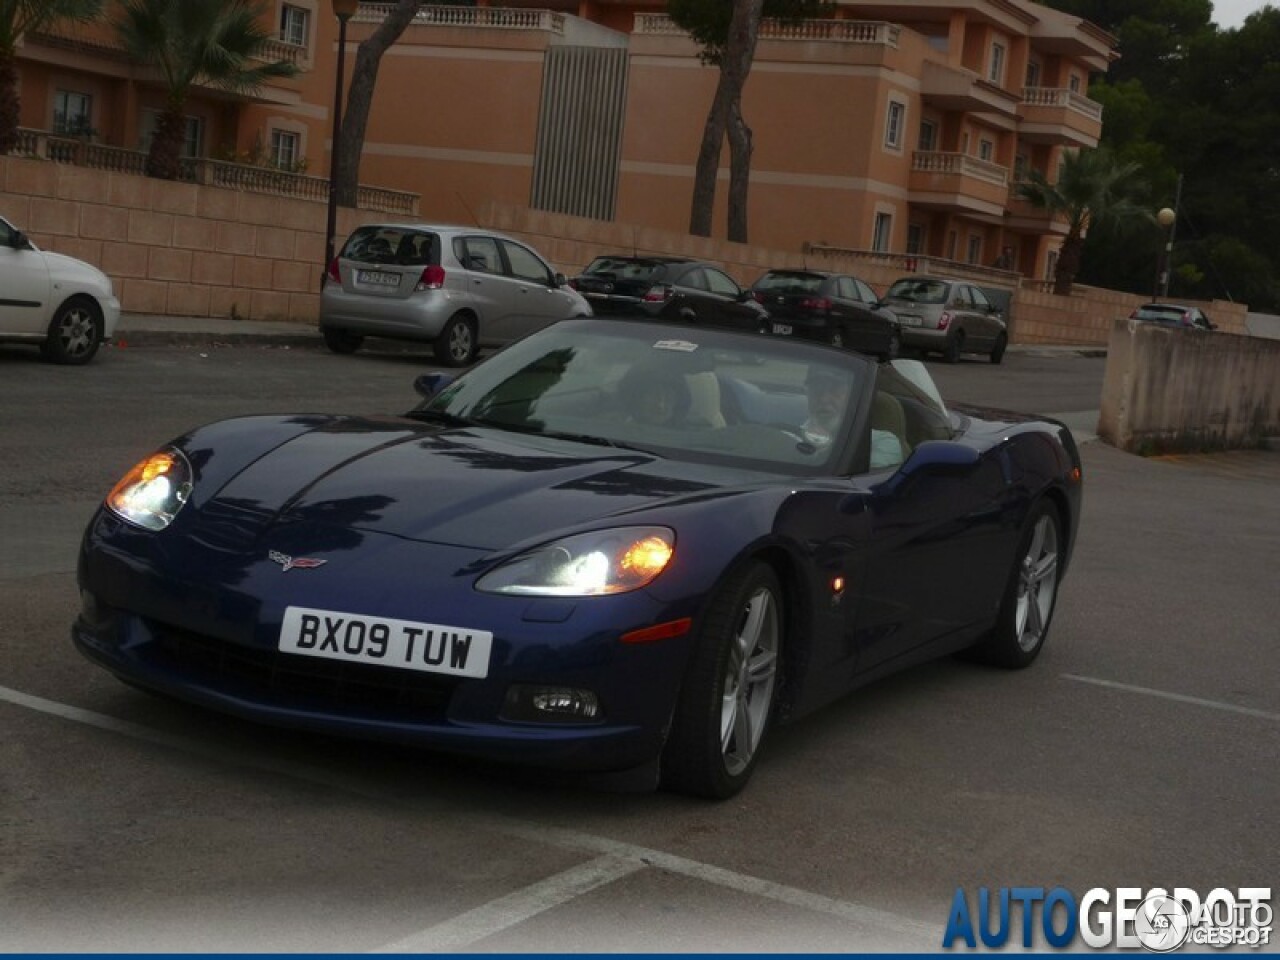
<point x="75" y="333"/>
<point x="997" y="352"/>
<point x="728" y="696"/>
<point x="1032" y="592"/>
<point x="456" y="346"/>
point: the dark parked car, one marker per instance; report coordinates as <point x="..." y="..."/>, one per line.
<point x="1173" y="315"/>
<point x="831" y="307"/>
<point x="947" y="316"/>
<point x="669" y="288"/>
<point x="538" y="566"/>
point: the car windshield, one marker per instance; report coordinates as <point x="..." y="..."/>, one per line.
<point x="780" y="282"/>
<point x="393" y="245"/>
<point x="918" y="291"/>
<point x="709" y="396"/>
<point x="1161" y="314"/>
<point x="624" y="268"/>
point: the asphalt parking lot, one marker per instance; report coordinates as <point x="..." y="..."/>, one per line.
<point x="1140" y="750"/>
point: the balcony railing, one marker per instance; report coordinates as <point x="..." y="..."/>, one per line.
<point x="500" y="18"/>
<point x="931" y="161"/>
<point x="216" y="173"/>
<point x="272" y="51"/>
<point x="1062" y="97"/>
<point x="842" y="31"/>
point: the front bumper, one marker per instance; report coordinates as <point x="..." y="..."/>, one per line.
<point x="210" y="638"/>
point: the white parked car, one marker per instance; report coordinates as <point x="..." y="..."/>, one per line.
<point x="60" y="304"/>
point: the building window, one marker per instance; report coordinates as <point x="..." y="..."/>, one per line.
<point x="72" y="113"/>
<point x="975" y="248"/>
<point x="293" y="24"/>
<point x="964" y="143"/>
<point x="915" y="238"/>
<point x="192" y="133"/>
<point x="1033" y="73"/>
<point x="893" y="124"/>
<point x="883" y="233"/>
<point x="285" y="149"/>
<point x="1020" y="168"/>
<point x="995" y="72"/>
<point x="951" y="245"/>
<point x="986" y="149"/>
<point x="1073" y="83"/>
<point x="1051" y="265"/>
<point x="928" y="135"/>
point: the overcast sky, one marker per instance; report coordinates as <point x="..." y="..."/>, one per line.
<point x="1231" y="13"/>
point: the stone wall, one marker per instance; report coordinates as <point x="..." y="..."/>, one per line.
<point x="202" y="251"/>
<point x="1168" y="390"/>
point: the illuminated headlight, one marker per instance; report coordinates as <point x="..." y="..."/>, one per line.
<point x="153" y="492"/>
<point x="586" y="565"/>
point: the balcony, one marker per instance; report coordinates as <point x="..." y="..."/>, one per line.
<point x="961" y="90"/>
<point x="77" y="151"/>
<point x="958" y="183"/>
<point x="1059" y="116"/>
<point x="839" y="31"/>
<point x="1025" y="217"/>
<point x="491" y="18"/>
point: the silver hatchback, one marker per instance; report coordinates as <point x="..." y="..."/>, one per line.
<point x="947" y="316"/>
<point x="454" y="287"/>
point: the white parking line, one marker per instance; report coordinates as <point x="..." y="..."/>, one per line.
<point x="506" y="912"/>
<point x="1178" y="697"/>
<point x="614" y="859"/>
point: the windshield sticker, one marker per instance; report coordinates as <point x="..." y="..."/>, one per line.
<point x="683" y="346"/>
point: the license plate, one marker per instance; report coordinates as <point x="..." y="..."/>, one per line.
<point x="378" y="278"/>
<point x="909" y="321"/>
<point x="404" y="644"/>
<point x="782" y="329"/>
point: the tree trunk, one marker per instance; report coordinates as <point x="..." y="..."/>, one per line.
<point x="739" y="173"/>
<point x="8" y="103"/>
<point x="735" y="65"/>
<point x="1068" y="265"/>
<point x="164" y="158"/>
<point x="364" y="77"/>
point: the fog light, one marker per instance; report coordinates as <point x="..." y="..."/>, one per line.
<point x="526" y="703"/>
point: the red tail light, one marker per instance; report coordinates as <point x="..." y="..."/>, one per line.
<point x="658" y="294"/>
<point x="815" y="303"/>
<point x="757" y="296"/>
<point x="333" y="273"/>
<point x="432" y="278"/>
<point x="944" y="321"/>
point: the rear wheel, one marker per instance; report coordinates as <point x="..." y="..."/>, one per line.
<point x="456" y="345"/>
<point x="1027" y="608"/>
<point x="997" y="352"/>
<point x="894" y="350"/>
<point x="955" y="346"/>
<point x="342" y="341"/>
<point x="727" y="699"/>
<point x="75" y="332"/>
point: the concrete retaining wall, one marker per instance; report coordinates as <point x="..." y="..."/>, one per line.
<point x="1169" y="390"/>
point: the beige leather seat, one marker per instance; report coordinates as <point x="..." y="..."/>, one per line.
<point x="704" y="400"/>
<point x="888" y="424"/>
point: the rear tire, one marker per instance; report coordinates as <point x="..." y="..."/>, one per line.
<point x="727" y="700"/>
<point x="895" y="346"/>
<point x="342" y="341"/>
<point x="75" y="333"/>
<point x="997" y="352"/>
<point x="1031" y="595"/>
<point x="955" y="346"/>
<point x="456" y="346"/>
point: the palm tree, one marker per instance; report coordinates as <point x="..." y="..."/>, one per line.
<point x="16" y="18"/>
<point x="191" y="42"/>
<point x="1093" y="189"/>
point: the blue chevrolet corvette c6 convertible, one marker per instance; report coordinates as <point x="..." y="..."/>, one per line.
<point x="613" y="547"/>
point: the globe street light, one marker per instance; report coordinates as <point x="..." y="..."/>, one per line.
<point x="1167" y="217"/>
<point x="344" y="10"/>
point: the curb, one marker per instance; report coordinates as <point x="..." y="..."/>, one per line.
<point x="125" y="339"/>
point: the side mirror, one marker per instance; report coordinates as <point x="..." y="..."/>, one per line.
<point x="933" y="458"/>
<point x="19" y="241"/>
<point x="429" y="384"/>
<point x="560" y="280"/>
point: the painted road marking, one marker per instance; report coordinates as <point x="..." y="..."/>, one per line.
<point x="1177" y="697"/>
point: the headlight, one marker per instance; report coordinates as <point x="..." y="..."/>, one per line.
<point x="152" y="493"/>
<point x="586" y="565"/>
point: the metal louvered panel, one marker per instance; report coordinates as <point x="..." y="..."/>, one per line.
<point x="575" y="168"/>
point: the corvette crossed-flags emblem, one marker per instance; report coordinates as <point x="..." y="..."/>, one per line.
<point x="288" y="563"/>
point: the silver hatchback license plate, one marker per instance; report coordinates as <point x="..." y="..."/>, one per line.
<point x="404" y="644"/>
<point x="909" y="321"/>
<point x="379" y="279"/>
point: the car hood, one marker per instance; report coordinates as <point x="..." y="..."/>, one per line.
<point x="61" y="265"/>
<point x="474" y="487"/>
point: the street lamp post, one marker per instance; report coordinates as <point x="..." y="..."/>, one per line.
<point x="1168" y="220"/>
<point x="344" y="10"/>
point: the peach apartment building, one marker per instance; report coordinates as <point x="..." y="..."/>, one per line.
<point x="897" y="128"/>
